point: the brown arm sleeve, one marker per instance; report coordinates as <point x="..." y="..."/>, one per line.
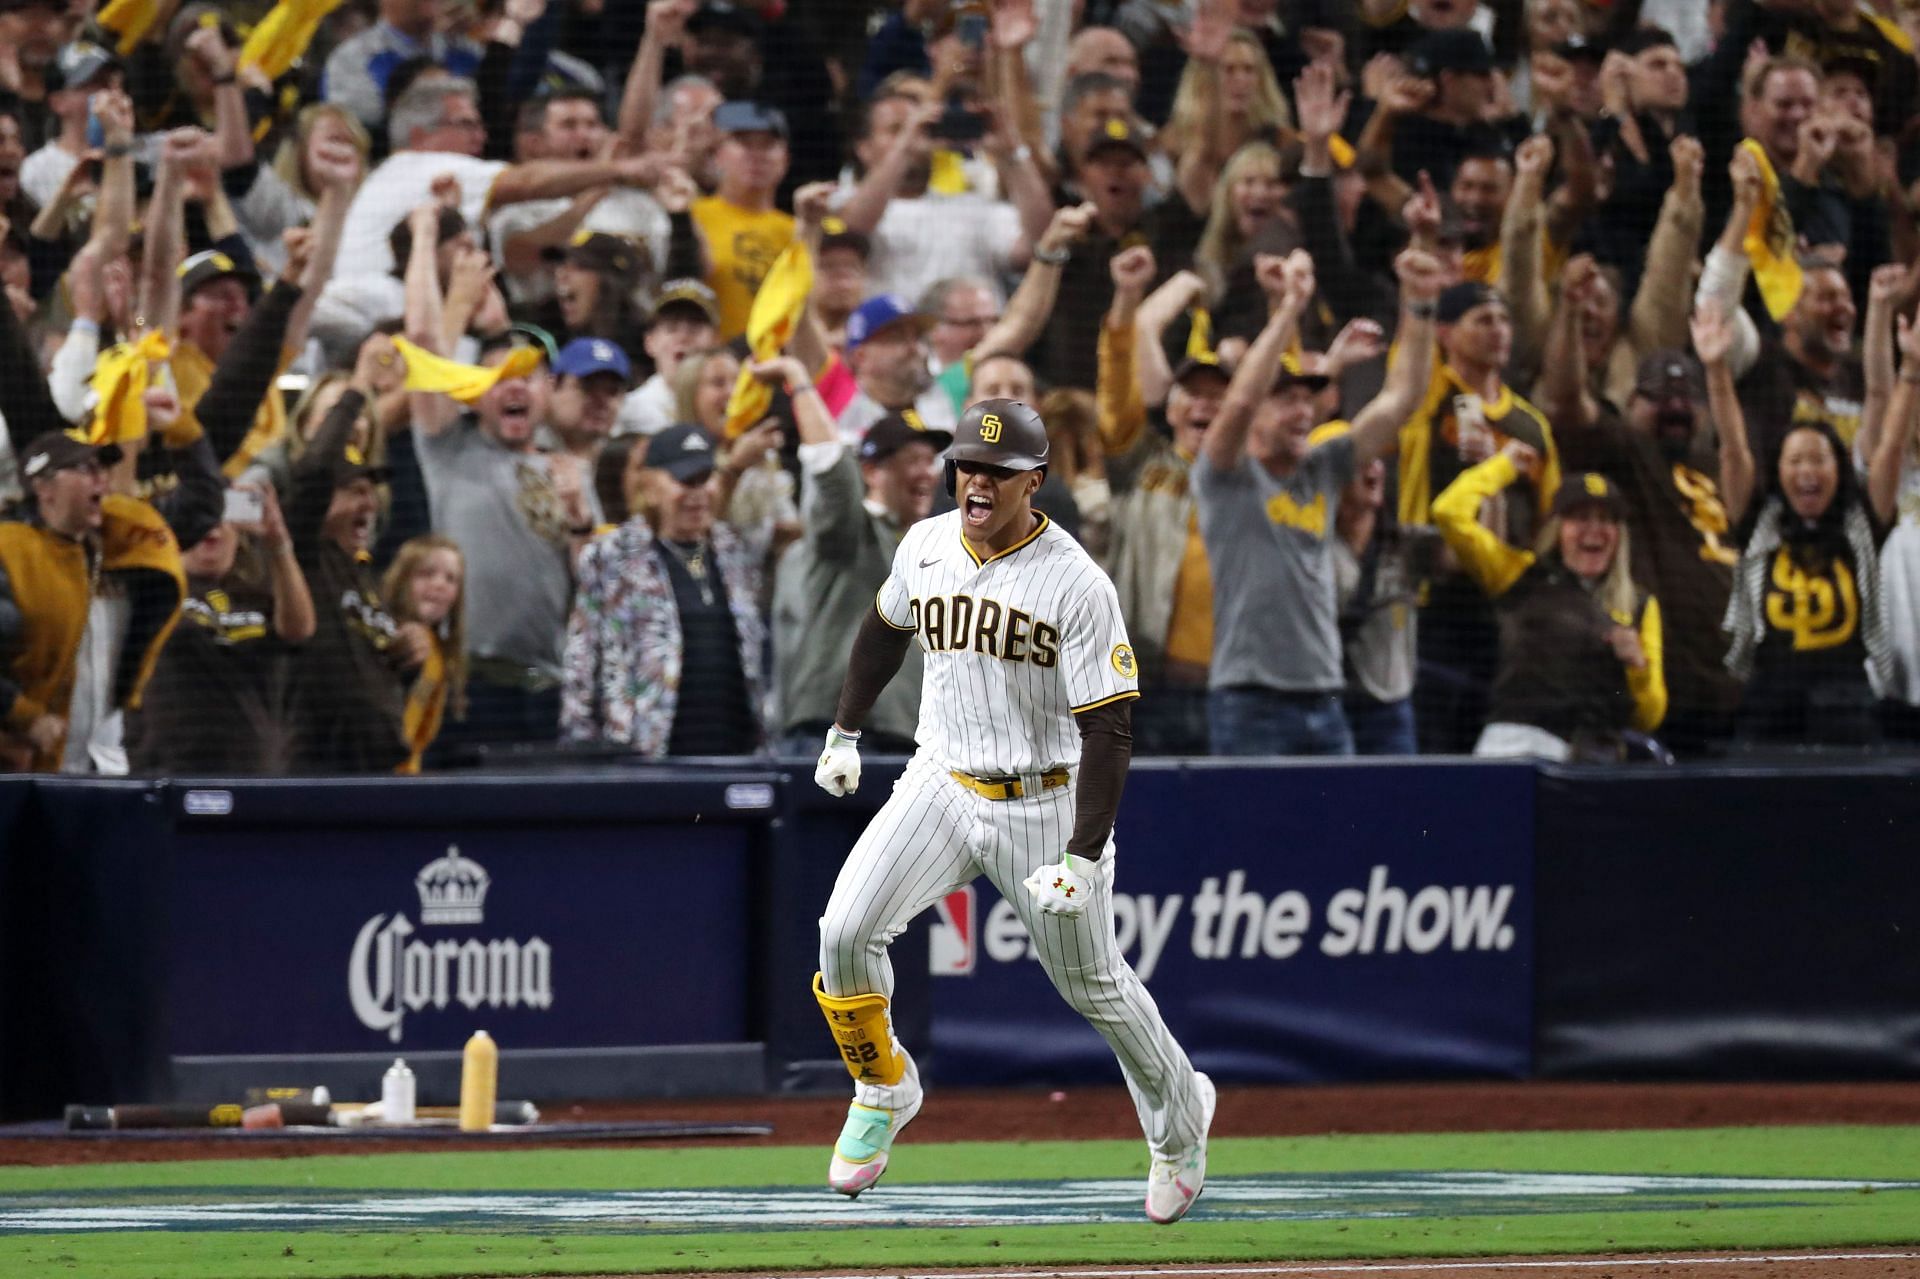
<point x="878" y="649"/>
<point x="1106" y="744"/>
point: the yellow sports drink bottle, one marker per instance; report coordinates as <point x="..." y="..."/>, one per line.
<point x="479" y="1081"/>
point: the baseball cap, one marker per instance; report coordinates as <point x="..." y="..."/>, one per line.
<point x="1115" y="133"/>
<point x="1293" y="373"/>
<point x="750" y="117"/>
<point x="1640" y="39"/>
<point x="585" y="357"/>
<point x="1578" y="48"/>
<point x="1461" y="298"/>
<point x="80" y="61"/>
<point x="1589" y="488"/>
<point x="879" y="312"/>
<point x="1208" y="364"/>
<point x="613" y="255"/>
<point x="836" y="234"/>
<point x="53" y="451"/>
<point x="688" y="293"/>
<point x="1852" y="61"/>
<point x="210" y="265"/>
<point x="1453" y="49"/>
<point x="1667" y="373"/>
<point x="897" y="430"/>
<point x="683" y="451"/>
<point x="723" y="15"/>
<point x="352" y="465"/>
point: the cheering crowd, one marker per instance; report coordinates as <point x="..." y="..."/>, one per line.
<point x="413" y="384"/>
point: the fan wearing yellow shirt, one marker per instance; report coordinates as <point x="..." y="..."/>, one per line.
<point x="743" y="230"/>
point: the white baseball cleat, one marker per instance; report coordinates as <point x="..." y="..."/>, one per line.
<point x="1174" y="1184"/>
<point x="860" y="1155"/>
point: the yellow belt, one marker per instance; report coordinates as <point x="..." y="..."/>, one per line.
<point x="1008" y="787"/>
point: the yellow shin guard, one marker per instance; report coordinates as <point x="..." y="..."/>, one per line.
<point x="864" y="1033"/>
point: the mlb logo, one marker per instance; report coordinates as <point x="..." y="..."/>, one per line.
<point x="952" y="940"/>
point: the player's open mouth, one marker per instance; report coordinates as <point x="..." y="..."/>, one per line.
<point x="977" y="510"/>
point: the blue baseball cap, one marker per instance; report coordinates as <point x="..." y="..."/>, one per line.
<point x="750" y="117"/>
<point x="877" y="313"/>
<point x="584" y="357"/>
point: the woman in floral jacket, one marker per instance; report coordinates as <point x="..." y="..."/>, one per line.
<point x="666" y="646"/>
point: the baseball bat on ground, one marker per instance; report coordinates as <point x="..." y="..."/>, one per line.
<point x="304" y="1096"/>
<point x="97" y="1118"/>
<point x="122" y="1118"/>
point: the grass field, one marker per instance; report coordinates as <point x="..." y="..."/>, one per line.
<point x="552" y="1212"/>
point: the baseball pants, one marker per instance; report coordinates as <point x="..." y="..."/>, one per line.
<point x="933" y="836"/>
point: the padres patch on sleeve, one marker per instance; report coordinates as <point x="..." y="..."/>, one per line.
<point x="1122" y="659"/>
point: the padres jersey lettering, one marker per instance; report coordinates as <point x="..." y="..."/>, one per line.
<point x="1815" y="609"/>
<point x="1309" y="518"/>
<point x="1015" y="644"/>
<point x="959" y="623"/>
<point x="1705" y="512"/>
<point x="225" y="624"/>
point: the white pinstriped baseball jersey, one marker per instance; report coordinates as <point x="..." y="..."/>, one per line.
<point x="1015" y="645"/>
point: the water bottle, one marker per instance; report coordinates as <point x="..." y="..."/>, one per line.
<point x="396" y="1093"/>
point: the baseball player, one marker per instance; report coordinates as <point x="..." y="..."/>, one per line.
<point x="1028" y="675"/>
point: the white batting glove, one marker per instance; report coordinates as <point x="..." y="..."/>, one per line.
<point x="838" y="772"/>
<point x="1064" y="888"/>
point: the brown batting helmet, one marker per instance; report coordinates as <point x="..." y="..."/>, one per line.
<point x="1002" y="433"/>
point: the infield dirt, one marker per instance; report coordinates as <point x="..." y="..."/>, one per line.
<point x="1081" y="1114"/>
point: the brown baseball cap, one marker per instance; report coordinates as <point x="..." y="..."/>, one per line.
<point x="897" y="430"/>
<point x="1195" y="364"/>
<point x="836" y="234"/>
<point x="1116" y="133"/>
<point x="611" y="255"/>
<point x="53" y="451"/>
<point x="1666" y="373"/>
<point x="1589" y="488"/>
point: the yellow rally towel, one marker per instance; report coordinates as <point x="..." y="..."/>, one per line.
<point x="1770" y="241"/>
<point x="949" y="173"/>
<point x="1895" y="34"/>
<point x="1342" y="152"/>
<point x="120" y="379"/>
<point x="283" y="35"/>
<point x="1200" y="336"/>
<point x="463" y="382"/>
<point x="777" y="308"/>
<point x="131" y="20"/>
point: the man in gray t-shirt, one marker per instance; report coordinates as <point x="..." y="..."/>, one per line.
<point x="518" y="515"/>
<point x="1267" y="504"/>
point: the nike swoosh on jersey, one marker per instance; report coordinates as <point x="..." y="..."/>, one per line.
<point x="929" y="563"/>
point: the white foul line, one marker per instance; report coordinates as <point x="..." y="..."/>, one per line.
<point x="1384" y="1267"/>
